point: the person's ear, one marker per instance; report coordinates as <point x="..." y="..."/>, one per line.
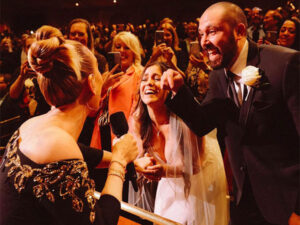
<point x="92" y="84"/>
<point x="241" y="30"/>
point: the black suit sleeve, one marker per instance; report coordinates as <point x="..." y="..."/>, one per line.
<point x="201" y="119"/>
<point x="91" y="156"/>
<point x="291" y="89"/>
<point x="291" y="94"/>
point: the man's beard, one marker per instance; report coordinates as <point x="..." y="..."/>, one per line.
<point x="225" y="56"/>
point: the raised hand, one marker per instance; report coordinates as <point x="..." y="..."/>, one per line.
<point x="26" y="71"/>
<point x="109" y="79"/>
<point x="157" y="51"/>
<point x="171" y="80"/>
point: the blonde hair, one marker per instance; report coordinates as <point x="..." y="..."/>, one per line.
<point x="61" y="65"/>
<point x="46" y="32"/>
<point x="133" y="43"/>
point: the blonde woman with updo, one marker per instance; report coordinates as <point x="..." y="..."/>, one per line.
<point x="44" y="177"/>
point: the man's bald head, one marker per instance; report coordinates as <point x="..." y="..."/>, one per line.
<point x="223" y="33"/>
<point x="230" y="12"/>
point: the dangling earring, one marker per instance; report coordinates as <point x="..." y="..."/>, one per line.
<point x="93" y="109"/>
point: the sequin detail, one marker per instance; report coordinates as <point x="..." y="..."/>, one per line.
<point x="64" y="179"/>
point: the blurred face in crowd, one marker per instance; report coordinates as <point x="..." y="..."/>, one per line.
<point x="168" y="37"/>
<point x="6" y="44"/>
<point x="287" y="34"/>
<point x="78" y="33"/>
<point x="248" y="12"/>
<point x="127" y="56"/>
<point x="150" y="89"/>
<point x="192" y="31"/>
<point x="269" y="20"/>
<point x="217" y="39"/>
<point x="256" y="16"/>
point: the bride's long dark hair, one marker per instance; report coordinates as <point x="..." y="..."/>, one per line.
<point x="141" y="114"/>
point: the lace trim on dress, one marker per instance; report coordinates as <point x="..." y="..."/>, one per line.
<point x="62" y="178"/>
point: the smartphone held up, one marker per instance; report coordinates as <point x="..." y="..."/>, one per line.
<point x="114" y="58"/>
<point x="159" y="37"/>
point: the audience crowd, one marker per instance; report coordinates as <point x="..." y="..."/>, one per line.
<point x="140" y="46"/>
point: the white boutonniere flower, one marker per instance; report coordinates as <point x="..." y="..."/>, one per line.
<point x="250" y="76"/>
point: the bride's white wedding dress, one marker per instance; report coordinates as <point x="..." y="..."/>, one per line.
<point x="205" y="202"/>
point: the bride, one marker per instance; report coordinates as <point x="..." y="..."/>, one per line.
<point x="191" y="186"/>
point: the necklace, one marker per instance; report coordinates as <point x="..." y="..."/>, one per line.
<point x="157" y="130"/>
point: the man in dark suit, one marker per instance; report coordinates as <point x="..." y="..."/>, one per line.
<point x="262" y="138"/>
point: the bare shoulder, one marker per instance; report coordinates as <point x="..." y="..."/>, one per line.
<point x="50" y="145"/>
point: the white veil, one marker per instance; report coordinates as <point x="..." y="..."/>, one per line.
<point x="194" y="190"/>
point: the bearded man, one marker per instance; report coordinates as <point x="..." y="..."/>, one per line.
<point x="262" y="138"/>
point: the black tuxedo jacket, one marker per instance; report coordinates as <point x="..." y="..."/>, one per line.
<point x="262" y="136"/>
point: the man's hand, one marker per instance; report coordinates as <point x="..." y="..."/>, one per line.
<point x="171" y="80"/>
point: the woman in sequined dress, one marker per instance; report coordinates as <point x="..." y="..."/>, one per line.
<point x="44" y="176"/>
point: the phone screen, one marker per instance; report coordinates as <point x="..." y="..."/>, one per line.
<point x="159" y="37"/>
<point x="114" y="58"/>
<point x="195" y="49"/>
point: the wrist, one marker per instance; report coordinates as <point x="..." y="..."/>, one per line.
<point x="118" y="160"/>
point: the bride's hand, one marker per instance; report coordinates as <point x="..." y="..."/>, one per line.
<point x="155" y="172"/>
<point x="142" y="163"/>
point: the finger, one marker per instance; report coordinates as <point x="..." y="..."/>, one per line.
<point x="114" y="68"/>
<point x="154" y="167"/>
<point x="164" y="81"/>
<point x="113" y="76"/>
<point x="149" y="171"/>
<point x="171" y="80"/>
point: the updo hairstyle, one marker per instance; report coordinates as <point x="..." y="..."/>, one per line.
<point x="62" y="66"/>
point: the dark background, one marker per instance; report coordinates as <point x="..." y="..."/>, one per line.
<point x="31" y="14"/>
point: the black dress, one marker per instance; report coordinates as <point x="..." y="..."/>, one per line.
<point x="55" y="193"/>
